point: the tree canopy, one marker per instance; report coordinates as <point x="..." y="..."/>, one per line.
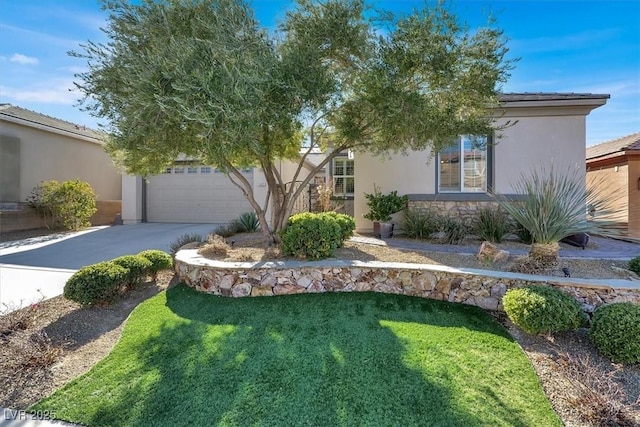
<point x="203" y="79"/>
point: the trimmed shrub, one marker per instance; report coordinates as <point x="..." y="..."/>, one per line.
<point x="419" y="224"/>
<point x="95" y="283"/>
<point x="69" y="205"/>
<point x="160" y="260"/>
<point x="454" y="230"/>
<point x="346" y="222"/>
<point x="539" y="309"/>
<point x="634" y="265"/>
<point x="615" y="331"/>
<point x="312" y="236"/>
<point x="491" y="224"/>
<point x="137" y="267"/>
<point x="175" y="246"/>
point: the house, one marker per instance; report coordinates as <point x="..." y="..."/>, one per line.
<point x="35" y="148"/>
<point x="549" y="130"/>
<point x="615" y="166"/>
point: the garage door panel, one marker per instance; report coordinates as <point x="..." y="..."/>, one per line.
<point x="197" y="198"/>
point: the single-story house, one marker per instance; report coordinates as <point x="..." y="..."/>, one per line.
<point x="549" y="129"/>
<point x="615" y="166"/>
<point x="34" y="148"/>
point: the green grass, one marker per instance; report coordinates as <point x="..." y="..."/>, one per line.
<point x="186" y="358"/>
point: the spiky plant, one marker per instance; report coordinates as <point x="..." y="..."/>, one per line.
<point x="554" y="206"/>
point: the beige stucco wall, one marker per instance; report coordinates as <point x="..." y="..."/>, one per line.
<point x="535" y="140"/>
<point x="634" y="196"/>
<point x="48" y="156"/>
<point x="611" y="181"/>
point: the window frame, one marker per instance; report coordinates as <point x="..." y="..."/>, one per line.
<point x="334" y="176"/>
<point x="488" y="168"/>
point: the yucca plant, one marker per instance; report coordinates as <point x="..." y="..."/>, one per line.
<point x="554" y="206"/>
<point x="247" y="222"/>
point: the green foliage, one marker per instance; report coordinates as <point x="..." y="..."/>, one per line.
<point x="419" y="224"/>
<point x="491" y="224"/>
<point x="346" y="222"/>
<point x="312" y="236"/>
<point x="523" y="234"/>
<point x="160" y="260"/>
<point x="137" y="268"/>
<point x="94" y="284"/>
<point x="541" y="309"/>
<point x="246" y="223"/>
<point x="175" y="246"/>
<point x="237" y="94"/>
<point x="634" y="265"/>
<point x="454" y="230"/>
<point x="227" y="230"/>
<point x="69" y="204"/>
<point x="615" y="331"/>
<point x="382" y="206"/>
<point x="553" y="205"/>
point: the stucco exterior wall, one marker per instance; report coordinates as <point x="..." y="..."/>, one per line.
<point x="634" y="195"/>
<point x="48" y="156"/>
<point x="612" y="180"/>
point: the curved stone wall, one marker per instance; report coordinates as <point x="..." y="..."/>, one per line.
<point x="482" y="288"/>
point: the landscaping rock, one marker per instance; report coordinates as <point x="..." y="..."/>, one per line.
<point x="489" y="252"/>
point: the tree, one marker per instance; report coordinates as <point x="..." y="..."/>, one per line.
<point x="204" y="80"/>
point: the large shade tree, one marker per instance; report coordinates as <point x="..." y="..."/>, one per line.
<point x="203" y="79"/>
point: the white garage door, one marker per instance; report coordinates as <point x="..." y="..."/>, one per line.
<point x="196" y="194"/>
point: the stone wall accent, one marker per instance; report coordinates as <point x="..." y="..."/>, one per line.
<point x="481" y="288"/>
<point x="463" y="210"/>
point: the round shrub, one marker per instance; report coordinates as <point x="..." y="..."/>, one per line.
<point x="311" y="236"/>
<point x="95" y="283"/>
<point x="634" y="265"/>
<point x="615" y="331"/>
<point x="159" y="260"/>
<point x="137" y="267"/>
<point x="538" y="309"/>
<point x="346" y="222"/>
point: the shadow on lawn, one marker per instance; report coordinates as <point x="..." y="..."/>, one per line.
<point x="297" y="360"/>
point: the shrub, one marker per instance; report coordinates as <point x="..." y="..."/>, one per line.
<point x="382" y="206"/>
<point x="523" y="234"/>
<point x="227" y="230"/>
<point x="538" y="309"/>
<point x="634" y="265"/>
<point x="312" y="236"/>
<point x="69" y="204"/>
<point x="160" y="260"/>
<point x="95" y="283"/>
<point x="175" y="246"/>
<point x="492" y="224"/>
<point x="615" y="331"/>
<point x="137" y="267"/>
<point x="454" y="229"/>
<point x="246" y="223"/>
<point x="419" y="224"/>
<point x="346" y="222"/>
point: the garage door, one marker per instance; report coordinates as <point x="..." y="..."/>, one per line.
<point x="196" y="194"/>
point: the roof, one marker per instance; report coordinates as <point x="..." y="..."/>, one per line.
<point x="549" y="96"/>
<point x="619" y="145"/>
<point x="24" y="115"/>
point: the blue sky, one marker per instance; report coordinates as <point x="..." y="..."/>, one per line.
<point x="563" y="46"/>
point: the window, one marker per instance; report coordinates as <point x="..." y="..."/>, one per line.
<point x="462" y="167"/>
<point x="178" y="169"/>
<point x="192" y="169"/>
<point x="205" y="169"/>
<point x="343" y="177"/>
<point x="167" y="170"/>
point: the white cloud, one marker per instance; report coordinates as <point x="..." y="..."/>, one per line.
<point x="23" y="59"/>
<point x="55" y="91"/>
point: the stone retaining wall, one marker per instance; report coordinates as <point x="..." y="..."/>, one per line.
<point x="466" y="211"/>
<point x="476" y="287"/>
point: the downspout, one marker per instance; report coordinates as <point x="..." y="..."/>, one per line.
<point x="143" y="194"/>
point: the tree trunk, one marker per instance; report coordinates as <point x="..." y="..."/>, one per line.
<point x="544" y="255"/>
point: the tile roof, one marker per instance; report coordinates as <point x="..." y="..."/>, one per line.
<point x="44" y="120"/>
<point x="549" y="96"/>
<point x="629" y="142"/>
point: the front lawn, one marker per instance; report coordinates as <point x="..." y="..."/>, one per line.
<point x="187" y="358"/>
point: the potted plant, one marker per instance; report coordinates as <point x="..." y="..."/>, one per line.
<point x="381" y="207"/>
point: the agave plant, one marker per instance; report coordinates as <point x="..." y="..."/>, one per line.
<point x="554" y="206"/>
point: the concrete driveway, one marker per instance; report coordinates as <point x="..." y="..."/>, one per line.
<point x="39" y="268"/>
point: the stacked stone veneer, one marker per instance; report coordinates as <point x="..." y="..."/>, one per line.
<point x="476" y="287"/>
<point x="466" y="211"/>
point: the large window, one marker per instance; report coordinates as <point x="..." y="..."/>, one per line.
<point x="343" y="177"/>
<point x="462" y="167"/>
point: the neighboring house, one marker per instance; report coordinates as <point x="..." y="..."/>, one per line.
<point x="35" y="148"/>
<point x="615" y="166"/>
<point x="549" y="130"/>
